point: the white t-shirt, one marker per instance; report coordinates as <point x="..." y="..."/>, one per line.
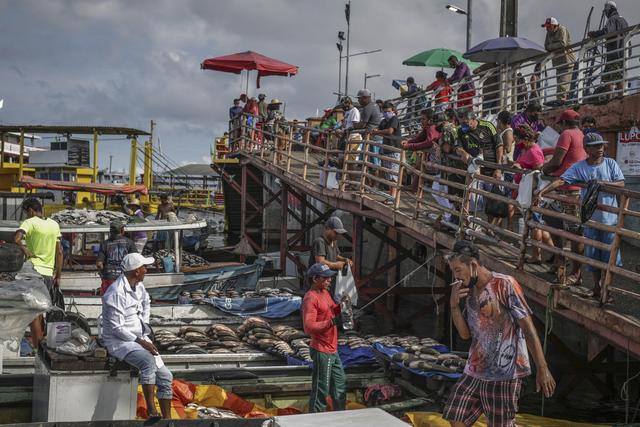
<point x="352" y="116"/>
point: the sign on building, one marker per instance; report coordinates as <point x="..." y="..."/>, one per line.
<point x="628" y="152"/>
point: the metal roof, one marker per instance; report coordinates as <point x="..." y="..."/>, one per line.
<point x="71" y="130"/>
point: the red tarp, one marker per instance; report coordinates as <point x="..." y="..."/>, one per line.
<point x="249" y="61"/>
<point x="106" y="189"/>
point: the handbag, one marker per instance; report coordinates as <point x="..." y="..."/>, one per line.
<point x="589" y="201"/>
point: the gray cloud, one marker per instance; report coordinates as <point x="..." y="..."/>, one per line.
<point x="123" y="62"/>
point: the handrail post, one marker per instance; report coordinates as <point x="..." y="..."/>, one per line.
<point x="525" y="230"/>
<point x="615" y="246"/>
<point x="262" y="144"/>
<point x="420" y="189"/>
<point x="464" y="211"/>
<point x="345" y="165"/>
<point x="325" y="166"/>
<point x="289" y="143"/>
<point x="306" y="154"/>
<point x="396" y="203"/>
<point x="365" y="160"/>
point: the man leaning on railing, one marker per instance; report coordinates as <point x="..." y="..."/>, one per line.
<point x="595" y="169"/>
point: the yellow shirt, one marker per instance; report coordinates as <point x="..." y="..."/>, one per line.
<point x="42" y="236"/>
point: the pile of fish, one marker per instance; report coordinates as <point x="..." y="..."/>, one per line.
<point x="259" y="333"/>
<point x="297" y="340"/>
<point x="191" y="340"/>
<point x="188" y="259"/>
<point x="87" y="217"/>
<point x="424" y="356"/>
<point x="404" y="341"/>
<point x="353" y="340"/>
<point x="211" y="413"/>
<point x="198" y="296"/>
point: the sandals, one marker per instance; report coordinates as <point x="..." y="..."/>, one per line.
<point x="574" y="280"/>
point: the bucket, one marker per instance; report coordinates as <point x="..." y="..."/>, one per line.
<point x="168" y="264"/>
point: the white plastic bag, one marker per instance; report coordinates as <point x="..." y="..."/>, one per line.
<point x="346" y="284"/>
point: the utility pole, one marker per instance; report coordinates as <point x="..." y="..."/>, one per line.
<point x="469" y="22"/>
<point x="110" y="163"/>
<point x="339" y="46"/>
<point x="347" y="14"/>
<point x="509" y="18"/>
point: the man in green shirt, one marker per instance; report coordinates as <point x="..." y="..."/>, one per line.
<point x="39" y="239"/>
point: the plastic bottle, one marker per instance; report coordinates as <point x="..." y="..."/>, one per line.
<point x="347" y="313"/>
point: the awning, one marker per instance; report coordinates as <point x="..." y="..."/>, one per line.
<point x="107" y="189"/>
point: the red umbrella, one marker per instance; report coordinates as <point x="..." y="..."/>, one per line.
<point x="249" y="61"/>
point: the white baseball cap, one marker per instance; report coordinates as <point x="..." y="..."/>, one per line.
<point x="549" y="22"/>
<point x="609" y="4"/>
<point x="134" y="261"/>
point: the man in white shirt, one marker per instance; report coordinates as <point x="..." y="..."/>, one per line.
<point x="125" y="330"/>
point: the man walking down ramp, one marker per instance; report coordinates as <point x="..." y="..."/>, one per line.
<point x="498" y="320"/>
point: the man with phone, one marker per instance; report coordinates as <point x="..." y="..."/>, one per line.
<point x="126" y="308"/>
<point x="497" y="319"/>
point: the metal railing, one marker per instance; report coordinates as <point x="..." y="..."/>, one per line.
<point x="596" y="74"/>
<point x="446" y="190"/>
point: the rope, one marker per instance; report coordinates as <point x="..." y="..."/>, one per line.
<point x="624" y="391"/>
<point x="403" y="280"/>
<point x="548" y="327"/>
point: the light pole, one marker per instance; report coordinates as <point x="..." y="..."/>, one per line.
<point x="467" y="12"/>
<point x="369" y="76"/>
<point x="339" y="46"/>
<point x="347" y="15"/>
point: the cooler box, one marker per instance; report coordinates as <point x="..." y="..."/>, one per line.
<point x="90" y="395"/>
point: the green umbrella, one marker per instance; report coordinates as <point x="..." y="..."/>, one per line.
<point x="436" y="58"/>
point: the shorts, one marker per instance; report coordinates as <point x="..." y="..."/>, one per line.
<point x="600" y="254"/>
<point x="395" y="167"/>
<point x="472" y="397"/>
<point x="615" y="68"/>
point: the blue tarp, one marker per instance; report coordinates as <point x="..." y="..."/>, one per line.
<point x="348" y="356"/>
<point x="271" y="307"/>
<point x="390" y="351"/>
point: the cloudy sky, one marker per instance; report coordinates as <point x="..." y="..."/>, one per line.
<point x="126" y="62"/>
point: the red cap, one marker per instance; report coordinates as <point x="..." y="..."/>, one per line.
<point x="549" y="22"/>
<point x="568" y="115"/>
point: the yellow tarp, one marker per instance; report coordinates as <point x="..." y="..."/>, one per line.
<point x="433" y="419"/>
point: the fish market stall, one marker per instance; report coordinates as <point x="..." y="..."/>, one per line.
<point x="87" y="279"/>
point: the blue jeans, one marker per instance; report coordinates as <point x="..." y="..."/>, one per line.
<point x="150" y="374"/>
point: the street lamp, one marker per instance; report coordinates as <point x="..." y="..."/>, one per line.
<point x="369" y="76"/>
<point x="339" y="46"/>
<point x="461" y="11"/>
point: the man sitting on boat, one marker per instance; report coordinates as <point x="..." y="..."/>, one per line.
<point x="112" y="252"/>
<point x="125" y="316"/>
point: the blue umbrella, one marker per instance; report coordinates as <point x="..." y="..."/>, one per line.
<point x="504" y="50"/>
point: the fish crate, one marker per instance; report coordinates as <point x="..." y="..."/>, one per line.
<point x="63" y="362"/>
<point x="82" y="395"/>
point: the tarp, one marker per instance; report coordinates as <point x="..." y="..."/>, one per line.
<point x="348" y="356"/>
<point x="390" y="351"/>
<point x="432" y="419"/>
<point x="249" y="60"/>
<point x="30" y="183"/>
<point x="270" y="307"/>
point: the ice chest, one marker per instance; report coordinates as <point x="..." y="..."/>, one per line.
<point x="89" y="395"/>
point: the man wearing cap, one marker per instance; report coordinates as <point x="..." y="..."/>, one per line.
<point x="490" y="309"/>
<point x="462" y="73"/>
<point x="236" y="110"/>
<point x="479" y="137"/>
<point x="324" y="249"/>
<point x="125" y="332"/>
<point x="112" y="252"/>
<point x="558" y="40"/>
<point x="391" y="133"/>
<point x="613" y="69"/>
<point x="605" y="170"/>
<point x="569" y="150"/>
<point x="320" y="315"/>
<point x="370" y="118"/>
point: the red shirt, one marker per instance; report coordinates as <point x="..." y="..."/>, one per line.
<point x="318" y="309"/>
<point x="444" y="91"/>
<point x="424" y="140"/>
<point x="570" y="141"/>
